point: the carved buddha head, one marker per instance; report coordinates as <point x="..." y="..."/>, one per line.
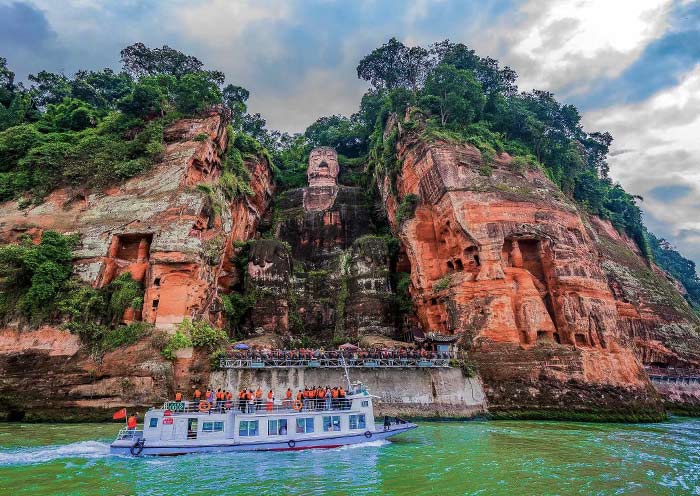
<point x="323" y="167"/>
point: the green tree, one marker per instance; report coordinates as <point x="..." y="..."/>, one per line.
<point x="394" y="65"/>
<point x="7" y="83"/>
<point x="454" y="95"/>
<point x="139" y="60"/>
<point x="49" y="87"/>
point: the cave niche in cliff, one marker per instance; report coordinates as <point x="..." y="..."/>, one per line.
<point x="527" y="258"/>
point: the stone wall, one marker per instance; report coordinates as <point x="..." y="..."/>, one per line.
<point x="428" y="393"/>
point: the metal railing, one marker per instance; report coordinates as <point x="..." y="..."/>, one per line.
<point x="126" y="433"/>
<point x="333" y="362"/>
<point x="261" y="407"/>
<point x="674" y="375"/>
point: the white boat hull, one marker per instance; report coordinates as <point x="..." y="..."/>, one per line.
<point x="161" y="448"/>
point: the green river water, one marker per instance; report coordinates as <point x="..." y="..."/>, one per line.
<point x="442" y="459"/>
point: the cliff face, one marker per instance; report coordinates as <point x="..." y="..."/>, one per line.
<point x="536" y="292"/>
<point x="163" y="230"/>
<point x="557" y="310"/>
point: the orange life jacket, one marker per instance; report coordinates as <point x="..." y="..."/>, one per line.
<point x="131" y="422"/>
<point x="229" y="396"/>
<point x="258" y="393"/>
<point x="288" y="395"/>
<point x="178" y="396"/>
<point x="334" y="393"/>
<point x="197" y="393"/>
<point x="270" y="395"/>
<point x="249" y="396"/>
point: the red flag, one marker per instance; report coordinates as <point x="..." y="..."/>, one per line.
<point x="120" y="414"/>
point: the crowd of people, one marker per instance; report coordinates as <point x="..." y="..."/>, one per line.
<point x="348" y="354"/>
<point x="249" y="401"/>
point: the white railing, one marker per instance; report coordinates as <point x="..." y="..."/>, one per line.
<point x="126" y="433"/>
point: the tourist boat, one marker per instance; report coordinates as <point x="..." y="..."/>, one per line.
<point x="188" y="427"/>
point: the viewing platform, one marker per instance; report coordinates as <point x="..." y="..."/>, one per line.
<point x="333" y="360"/>
<point x="673" y="375"/>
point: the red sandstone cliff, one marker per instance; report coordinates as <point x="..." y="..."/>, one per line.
<point x="162" y="229"/>
<point x="556" y="309"/>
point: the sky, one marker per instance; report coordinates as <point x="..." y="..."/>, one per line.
<point x="631" y="66"/>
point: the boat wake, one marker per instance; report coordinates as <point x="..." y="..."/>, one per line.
<point x="368" y="444"/>
<point x="43" y="454"/>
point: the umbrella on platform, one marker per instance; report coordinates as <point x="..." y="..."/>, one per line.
<point x="241" y="346"/>
<point x="348" y="346"/>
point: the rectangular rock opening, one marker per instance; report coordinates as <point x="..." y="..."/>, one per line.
<point x="133" y="247"/>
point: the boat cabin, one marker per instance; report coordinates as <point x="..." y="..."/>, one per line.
<point x="243" y="422"/>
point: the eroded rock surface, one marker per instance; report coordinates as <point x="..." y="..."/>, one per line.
<point x="161" y="229"/>
<point x="500" y="258"/>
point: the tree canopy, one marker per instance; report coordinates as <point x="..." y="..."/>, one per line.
<point x="97" y="128"/>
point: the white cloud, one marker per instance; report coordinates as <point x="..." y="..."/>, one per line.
<point x="657" y="143"/>
<point x="569" y="43"/>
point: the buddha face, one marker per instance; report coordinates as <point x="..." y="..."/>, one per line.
<point x="323" y="167"/>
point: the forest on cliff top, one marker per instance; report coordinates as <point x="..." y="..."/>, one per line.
<point x="97" y="128"/>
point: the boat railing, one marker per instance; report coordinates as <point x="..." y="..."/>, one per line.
<point x="126" y="433"/>
<point x="334" y="362"/>
<point x="257" y="407"/>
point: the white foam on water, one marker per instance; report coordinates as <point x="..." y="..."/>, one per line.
<point x="43" y="454"/>
<point x="369" y="444"/>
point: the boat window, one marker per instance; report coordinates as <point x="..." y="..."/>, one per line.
<point x="248" y="428"/>
<point x="277" y="427"/>
<point x="305" y="425"/>
<point x="212" y="426"/>
<point x="365" y="404"/>
<point x="331" y="423"/>
<point x="357" y="422"/>
<point x="153" y="422"/>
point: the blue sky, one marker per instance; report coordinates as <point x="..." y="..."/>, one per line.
<point x="631" y="66"/>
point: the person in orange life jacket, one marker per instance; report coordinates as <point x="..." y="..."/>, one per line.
<point x="288" y="398"/>
<point x="270" y="401"/>
<point x="334" y="395"/>
<point x="341" y="397"/>
<point x="197" y="395"/>
<point x="242" y="398"/>
<point x="258" y="398"/>
<point x="178" y="396"/>
<point x="132" y="421"/>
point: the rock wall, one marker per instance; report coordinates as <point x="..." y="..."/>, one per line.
<point x="325" y="275"/>
<point x="46" y="375"/>
<point x="416" y="393"/>
<point x="160" y="227"/>
<point x="500" y="258"/>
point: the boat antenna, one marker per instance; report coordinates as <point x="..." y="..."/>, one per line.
<point x="345" y="368"/>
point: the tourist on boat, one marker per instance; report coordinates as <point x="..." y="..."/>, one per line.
<point x="258" y="398"/>
<point x="270" y="400"/>
<point x="132" y="421"/>
<point x="300" y="398"/>
<point x="287" y="399"/>
<point x="251" y="401"/>
<point x="242" y="398"/>
<point x="197" y="395"/>
<point x="178" y="396"/>
<point x="334" y="394"/>
<point x="329" y="397"/>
